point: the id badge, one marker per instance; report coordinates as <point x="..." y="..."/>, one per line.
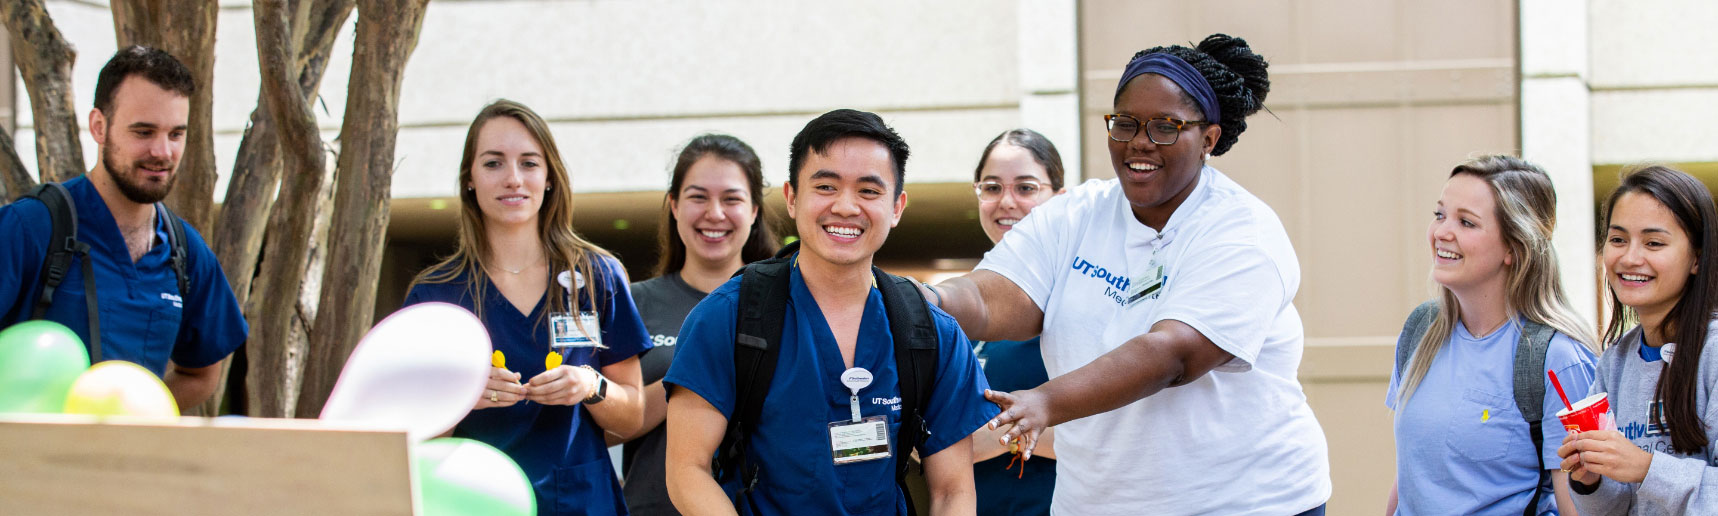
<point x="863" y="441"/>
<point x="564" y="333"/>
<point x="1148" y="285"/>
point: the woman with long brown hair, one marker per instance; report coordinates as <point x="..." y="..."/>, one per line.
<point x="557" y="309"/>
<point x="713" y="223"/>
<point x="1659" y="248"/>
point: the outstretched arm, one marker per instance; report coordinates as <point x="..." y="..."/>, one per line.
<point x="988" y="306"/>
<point x="1170" y="355"/>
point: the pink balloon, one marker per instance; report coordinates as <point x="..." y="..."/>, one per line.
<point x="419" y="370"/>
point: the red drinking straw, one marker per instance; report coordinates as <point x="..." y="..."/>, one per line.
<point x="1559" y="386"/>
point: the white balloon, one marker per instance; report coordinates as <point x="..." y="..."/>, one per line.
<point x="419" y="370"/>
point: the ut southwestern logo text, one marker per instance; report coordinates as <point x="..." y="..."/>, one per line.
<point x="1118" y="283"/>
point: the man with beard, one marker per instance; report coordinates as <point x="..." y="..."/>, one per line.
<point x="140" y="312"/>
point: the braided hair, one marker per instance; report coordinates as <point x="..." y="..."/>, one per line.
<point x="1235" y="73"/>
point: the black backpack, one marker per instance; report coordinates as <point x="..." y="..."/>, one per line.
<point x="63" y="246"/>
<point x="1529" y="382"/>
<point x="763" y="296"/>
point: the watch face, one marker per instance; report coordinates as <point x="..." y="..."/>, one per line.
<point x="601" y="392"/>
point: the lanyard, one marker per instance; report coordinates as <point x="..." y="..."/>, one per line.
<point x="855" y="379"/>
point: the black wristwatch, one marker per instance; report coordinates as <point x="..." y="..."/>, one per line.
<point x="601" y="391"/>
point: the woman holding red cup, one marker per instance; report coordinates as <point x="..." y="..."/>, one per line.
<point x="1661" y="236"/>
<point x="1462" y="444"/>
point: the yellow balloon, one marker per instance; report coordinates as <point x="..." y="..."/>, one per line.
<point x="120" y="388"/>
<point x="552" y="361"/>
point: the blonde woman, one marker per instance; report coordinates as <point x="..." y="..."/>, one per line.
<point x="1462" y="445"/>
<point x="541" y="290"/>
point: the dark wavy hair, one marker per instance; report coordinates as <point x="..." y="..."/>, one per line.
<point x="1686" y="324"/>
<point x="1036" y="144"/>
<point x="1237" y="75"/>
<point x="152" y="64"/>
<point x="760" y="240"/>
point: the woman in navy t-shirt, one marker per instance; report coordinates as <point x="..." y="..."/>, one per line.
<point x="557" y="309"/>
<point x="1018" y="170"/>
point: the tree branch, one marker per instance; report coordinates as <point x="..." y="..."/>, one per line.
<point x="387" y="34"/>
<point x="238" y="235"/>
<point x="44" y="60"/>
<point x="276" y="292"/>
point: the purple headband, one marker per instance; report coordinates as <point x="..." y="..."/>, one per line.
<point x="1181" y="73"/>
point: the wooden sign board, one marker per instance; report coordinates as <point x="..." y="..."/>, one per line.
<point x="53" y="464"/>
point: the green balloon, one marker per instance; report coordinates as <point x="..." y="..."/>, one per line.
<point x="39" y="360"/>
<point x="459" y="477"/>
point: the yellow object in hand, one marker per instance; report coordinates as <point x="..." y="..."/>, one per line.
<point x="552" y="361"/>
<point x="498" y="359"/>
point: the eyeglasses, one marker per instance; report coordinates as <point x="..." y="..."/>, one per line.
<point x="1161" y="131"/>
<point x="992" y="191"/>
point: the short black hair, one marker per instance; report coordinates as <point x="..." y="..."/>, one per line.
<point x="845" y="123"/>
<point x="153" y="64"/>
<point x="1238" y="76"/>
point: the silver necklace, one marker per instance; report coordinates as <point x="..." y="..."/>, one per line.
<point x="521" y="269"/>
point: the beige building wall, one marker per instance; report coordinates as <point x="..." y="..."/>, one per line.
<point x="1373" y="103"/>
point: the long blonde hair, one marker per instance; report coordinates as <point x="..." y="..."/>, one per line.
<point x="1527" y="207"/>
<point x="563" y="247"/>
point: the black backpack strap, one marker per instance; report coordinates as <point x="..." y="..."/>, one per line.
<point x="762" y="309"/>
<point x="178" y="258"/>
<point x="1530" y="396"/>
<point x="1412" y="331"/>
<point x="63" y="247"/>
<point x="915" y="336"/>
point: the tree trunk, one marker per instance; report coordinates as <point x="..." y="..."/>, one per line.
<point x="186" y="29"/>
<point x="387" y="34"/>
<point x="44" y="60"/>
<point x="14" y="178"/>
<point x="238" y="234"/>
<point x="275" y="295"/>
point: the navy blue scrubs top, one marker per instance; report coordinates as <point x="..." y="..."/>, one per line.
<point x="1013" y="365"/>
<point x="560" y="447"/>
<point x="145" y="319"/>
<point x="798" y="474"/>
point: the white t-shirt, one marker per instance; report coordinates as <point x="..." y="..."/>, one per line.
<point x="1239" y="440"/>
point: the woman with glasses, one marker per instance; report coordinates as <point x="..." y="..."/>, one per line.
<point x="1164" y="300"/>
<point x="1019" y="170"/>
<point x="713" y="223"/>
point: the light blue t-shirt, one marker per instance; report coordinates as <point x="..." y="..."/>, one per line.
<point x="1461" y="444"/>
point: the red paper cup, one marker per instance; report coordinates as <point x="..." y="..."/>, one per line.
<point x="1592" y="413"/>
